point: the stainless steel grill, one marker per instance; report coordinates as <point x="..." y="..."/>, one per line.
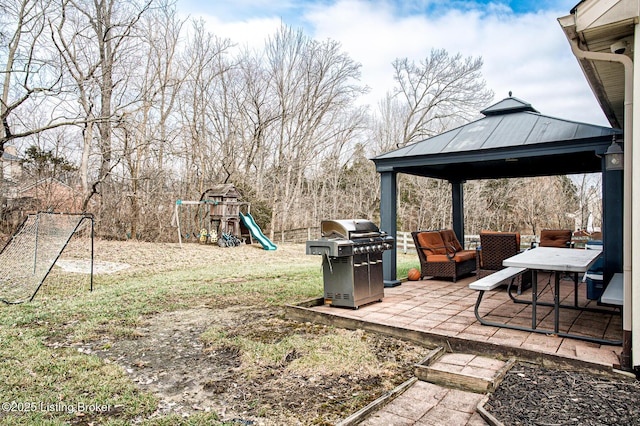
<point x="351" y="251"/>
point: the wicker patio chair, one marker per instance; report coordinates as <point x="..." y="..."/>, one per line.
<point x="496" y="247"/>
<point x="442" y="256"/>
<point x="558" y="238"/>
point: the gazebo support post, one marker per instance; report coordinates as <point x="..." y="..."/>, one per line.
<point x="388" y="223"/>
<point x="612" y="232"/>
<point x="457" y="200"/>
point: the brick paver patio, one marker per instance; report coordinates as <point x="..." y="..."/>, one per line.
<point x="446" y="309"/>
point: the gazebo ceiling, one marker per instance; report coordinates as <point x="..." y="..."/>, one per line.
<point x="511" y="140"/>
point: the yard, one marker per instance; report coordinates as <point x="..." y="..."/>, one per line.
<point x="191" y="335"/>
<point x="197" y="335"/>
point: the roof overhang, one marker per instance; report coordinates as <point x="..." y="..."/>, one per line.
<point x="605" y="26"/>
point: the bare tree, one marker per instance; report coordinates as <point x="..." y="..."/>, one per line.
<point x="93" y="46"/>
<point x="225" y="122"/>
<point x="258" y="114"/>
<point x="31" y="75"/>
<point x="388" y="127"/>
<point x="65" y="30"/>
<point x="589" y="201"/>
<point x="145" y="128"/>
<point x="441" y="92"/>
<point x="203" y="67"/>
<point x="314" y="84"/>
<point x="163" y="72"/>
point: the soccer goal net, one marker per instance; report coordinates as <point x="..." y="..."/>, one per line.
<point x="29" y="256"/>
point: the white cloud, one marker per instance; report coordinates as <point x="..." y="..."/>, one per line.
<point x="527" y="53"/>
<point x="524" y="53"/>
<point x="251" y="33"/>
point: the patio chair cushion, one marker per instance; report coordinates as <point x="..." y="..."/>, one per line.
<point x="431" y="243"/>
<point x="460" y="256"/>
<point x="439" y="258"/>
<point x="450" y="239"/>
<point x="555" y="238"/>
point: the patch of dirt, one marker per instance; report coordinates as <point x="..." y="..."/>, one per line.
<point x="84" y="266"/>
<point x="170" y="360"/>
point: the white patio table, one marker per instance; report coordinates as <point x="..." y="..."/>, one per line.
<point x="557" y="260"/>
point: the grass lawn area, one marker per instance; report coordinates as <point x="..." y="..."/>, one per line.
<point x="77" y="357"/>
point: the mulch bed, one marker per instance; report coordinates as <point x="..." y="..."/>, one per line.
<point x="531" y="395"/>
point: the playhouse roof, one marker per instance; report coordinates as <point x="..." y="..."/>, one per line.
<point x="225" y="190"/>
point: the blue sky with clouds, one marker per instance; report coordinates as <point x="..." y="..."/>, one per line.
<point x="521" y="42"/>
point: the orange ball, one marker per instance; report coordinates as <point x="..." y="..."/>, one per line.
<point x="413" y="274"/>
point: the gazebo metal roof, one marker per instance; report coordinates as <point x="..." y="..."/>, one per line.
<point x="511" y="140"/>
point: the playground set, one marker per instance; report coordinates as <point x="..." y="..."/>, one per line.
<point x="33" y="250"/>
<point x="217" y="219"/>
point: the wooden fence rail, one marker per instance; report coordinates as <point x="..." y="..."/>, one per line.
<point x="404" y="241"/>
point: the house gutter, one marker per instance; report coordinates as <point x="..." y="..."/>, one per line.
<point x="627" y="322"/>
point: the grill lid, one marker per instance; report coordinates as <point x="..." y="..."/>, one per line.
<point x="349" y="228"/>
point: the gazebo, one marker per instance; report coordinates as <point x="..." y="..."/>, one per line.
<point x="512" y="139"/>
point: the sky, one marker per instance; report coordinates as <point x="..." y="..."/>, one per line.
<point x="523" y="48"/>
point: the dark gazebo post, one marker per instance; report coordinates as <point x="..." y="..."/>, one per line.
<point x="612" y="232"/>
<point x="388" y="223"/>
<point x="457" y="198"/>
<point x="613" y="238"/>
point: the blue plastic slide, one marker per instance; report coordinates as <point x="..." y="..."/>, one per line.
<point x="256" y="232"/>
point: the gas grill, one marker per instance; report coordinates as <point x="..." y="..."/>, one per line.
<point x="351" y="251"/>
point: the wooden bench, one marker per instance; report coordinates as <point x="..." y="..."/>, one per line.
<point x="614" y="293"/>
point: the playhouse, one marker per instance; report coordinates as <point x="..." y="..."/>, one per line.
<point x="224" y="210"/>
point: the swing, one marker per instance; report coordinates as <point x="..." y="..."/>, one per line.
<point x="187" y="234"/>
<point x="198" y="219"/>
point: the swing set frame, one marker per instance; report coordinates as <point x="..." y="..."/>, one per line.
<point x="176" y="214"/>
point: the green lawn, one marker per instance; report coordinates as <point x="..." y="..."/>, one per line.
<point x="47" y="380"/>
